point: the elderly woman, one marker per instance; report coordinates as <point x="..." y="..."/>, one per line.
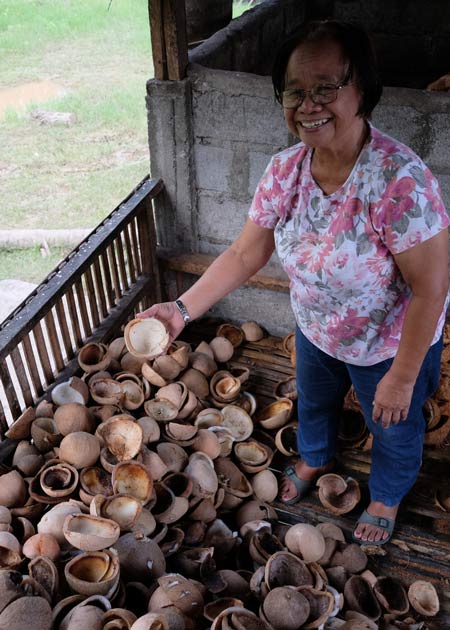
<point x="360" y="228"/>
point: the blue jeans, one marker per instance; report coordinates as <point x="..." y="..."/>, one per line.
<point x="322" y="384"/>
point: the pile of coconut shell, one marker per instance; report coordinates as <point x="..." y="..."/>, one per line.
<point x="139" y="497"/>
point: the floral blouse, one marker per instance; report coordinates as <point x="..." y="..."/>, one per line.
<point x="348" y="295"/>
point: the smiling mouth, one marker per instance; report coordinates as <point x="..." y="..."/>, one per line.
<point x="313" y="124"/>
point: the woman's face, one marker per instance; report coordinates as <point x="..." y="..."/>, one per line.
<point x="333" y="126"/>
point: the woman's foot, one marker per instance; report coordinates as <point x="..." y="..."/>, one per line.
<point x="367" y="532"/>
<point x="307" y="473"/>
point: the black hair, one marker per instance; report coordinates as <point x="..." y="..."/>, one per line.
<point x="357" y="50"/>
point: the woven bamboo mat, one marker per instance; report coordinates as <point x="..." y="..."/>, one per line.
<point x="420" y="547"/>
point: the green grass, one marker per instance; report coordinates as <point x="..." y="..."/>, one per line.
<point x="98" y="53"/>
<point x="28" y="264"/>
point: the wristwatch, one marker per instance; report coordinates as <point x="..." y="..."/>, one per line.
<point x="183" y="310"/>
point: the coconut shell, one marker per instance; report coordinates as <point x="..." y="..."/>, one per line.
<point x="338" y="495"/>
<point x="359" y="596"/>
<point x="17" y="615"/>
<point x="146" y="338"/>
<point x="90" y="533"/>
<point x="80" y="449"/>
<point x="423" y="598"/>
<point x="305" y="541"/>
<point x="285" y="608"/>
<point x="222" y="349"/>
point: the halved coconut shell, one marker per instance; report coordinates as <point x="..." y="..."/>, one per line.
<point x="93" y="572"/>
<point x="287" y="388"/>
<point x="275" y="415"/>
<point x="122" y="436"/>
<point x="182" y="593"/>
<point x="122" y="508"/>
<point x="392" y="595"/>
<point x="233" y="333"/>
<point x="337" y="494"/>
<point x="73" y="390"/>
<point x="238" y="422"/>
<point x="132" y="478"/>
<point x="285" y="608"/>
<point x="21" y="428"/>
<point x="175" y="392"/>
<point x="423" y="598"/>
<point x="286" y="439"/>
<point x="146" y="338"/>
<point x="285" y="569"/>
<point x="201" y="470"/>
<point x="94" y="357"/>
<point x="222" y="349"/>
<point x="161" y="409"/>
<point x="321" y="605"/>
<point x="90" y="533"/>
<point x="252" y="331"/>
<point x="359" y="596"/>
<point x="106" y="391"/>
<point x="224" y="386"/>
<point x="306" y="541"/>
<point x="209" y="417"/>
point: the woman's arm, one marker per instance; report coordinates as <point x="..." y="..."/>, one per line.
<point x="425" y="269"/>
<point x="249" y="252"/>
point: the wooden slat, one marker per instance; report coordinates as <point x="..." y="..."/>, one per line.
<point x="118" y="246"/>
<point x="75" y="324"/>
<point x="81" y="302"/>
<point x="148" y="240"/>
<point x="112" y="266"/>
<point x="136" y="248"/>
<point x="157" y="37"/>
<point x="41" y="350"/>
<point x="54" y="341"/>
<point x="92" y="298"/>
<point x="100" y="289"/>
<point x="22" y="377"/>
<point x="175" y="38"/>
<point x="196" y="264"/>
<point x="37" y="304"/>
<point x="32" y="366"/>
<point x="107" y="277"/>
<point x="130" y="258"/>
<point x="10" y="393"/>
<point x="110" y="327"/>
<point x="65" y="334"/>
<point x="3" y="422"/>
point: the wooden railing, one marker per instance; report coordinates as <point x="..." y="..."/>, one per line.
<point x="92" y="292"/>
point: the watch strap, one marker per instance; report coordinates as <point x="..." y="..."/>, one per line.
<point x="183" y="310"/>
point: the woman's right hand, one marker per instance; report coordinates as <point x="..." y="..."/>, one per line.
<point x="169" y="315"/>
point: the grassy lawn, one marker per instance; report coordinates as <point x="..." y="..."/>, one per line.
<point x="97" y="54"/>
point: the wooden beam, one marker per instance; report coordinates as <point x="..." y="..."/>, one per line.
<point x="155" y="12"/>
<point x="169" y="39"/>
<point x="175" y="38"/>
<point x="196" y="264"/>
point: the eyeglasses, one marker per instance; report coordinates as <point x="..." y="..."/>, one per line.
<point x="320" y="95"/>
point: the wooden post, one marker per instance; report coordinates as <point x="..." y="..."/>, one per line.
<point x="169" y="40"/>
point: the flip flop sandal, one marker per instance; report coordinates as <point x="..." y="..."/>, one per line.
<point x="302" y="486"/>
<point x="386" y="524"/>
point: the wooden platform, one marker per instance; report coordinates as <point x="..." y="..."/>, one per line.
<point x="420" y="547"/>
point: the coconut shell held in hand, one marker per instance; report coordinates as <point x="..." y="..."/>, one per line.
<point x="146" y="338"/>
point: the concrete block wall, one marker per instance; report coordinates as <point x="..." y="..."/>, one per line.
<point x="211" y="137"/>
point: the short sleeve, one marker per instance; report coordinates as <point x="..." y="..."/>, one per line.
<point x="411" y="209"/>
<point x="263" y="209"/>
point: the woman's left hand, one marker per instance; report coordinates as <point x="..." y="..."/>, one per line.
<point x="392" y="400"/>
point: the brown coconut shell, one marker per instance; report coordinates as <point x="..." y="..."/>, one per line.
<point x="424" y="598"/>
<point x="338" y="495"/>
